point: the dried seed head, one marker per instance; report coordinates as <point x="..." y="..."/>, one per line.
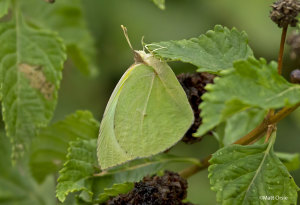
<point x="294" y="42"/>
<point x="169" y="189"/>
<point x="284" y="12"/>
<point x="295" y="76"/>
<point x="194" y="87"/>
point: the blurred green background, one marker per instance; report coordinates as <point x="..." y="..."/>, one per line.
<point x="181" y="19"/>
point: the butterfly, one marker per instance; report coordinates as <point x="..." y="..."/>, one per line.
<point x="147" y="113"/>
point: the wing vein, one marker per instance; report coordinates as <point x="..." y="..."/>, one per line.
<point x="145" y="107"/>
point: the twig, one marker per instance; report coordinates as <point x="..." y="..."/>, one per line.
<point x="251" y="137"/>
<point x="190" y="171"/>
<point x="280" y="59"/>
<point x="260" y="130"/>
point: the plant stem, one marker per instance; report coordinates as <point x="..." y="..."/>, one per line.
<point x="251" y="137"/>
<point x="260" y="130"/>
<point x="194" y="169"/>
<point x="280" y="59"/>
<point x="281" y="50"/>
<point x="271" y="129"/>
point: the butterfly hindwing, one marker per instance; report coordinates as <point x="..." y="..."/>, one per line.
<point x="149" y="113"/>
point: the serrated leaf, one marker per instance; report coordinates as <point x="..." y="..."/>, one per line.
<point x="49" y="149"/>
<point x="291" y="161"/>
<point x="30" y="74"/>
<point x="242" y="174"/>
<point x="213" y="52"/>
<point x="66" y="17"/>
<point x="160" y="4"/>
<point x="251" y="84"/>
<point x="79" y="171"/>
<point x="80" y="165"/>
<point x="4" y="6"/>
<point x="147" y="113"/>
<point x="16" y="185"/>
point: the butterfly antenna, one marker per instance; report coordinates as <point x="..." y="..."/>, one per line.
<point x="126" y="36"/>
<point x="137" y="56"/>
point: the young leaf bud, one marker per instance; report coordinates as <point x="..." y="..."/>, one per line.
<point x="284" y="12"/>
<point x="295" y="76"/>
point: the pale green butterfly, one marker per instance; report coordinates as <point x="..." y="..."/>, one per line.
<point x="147" y="113"/>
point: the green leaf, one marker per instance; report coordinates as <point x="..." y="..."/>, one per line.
<point x="80" y="164"/>
<point x="238" y="125"/>
<point x="116" y="190"/>
<point x="49" y="149"/>
<point x="30" y="74"/>
<point x="17" y="187"/>
<point x="147" y="113"/>
<point x="4" y="6"/>
<point x="213" y="52"/>
<point x="160" y="4"/>
<point x="66" y="17"/>
<point x="242" y="123"/>
<point x="251" y="84"/>
<point x="291" y="161"/>
<point x="241" y="174"/>
<point x="79" y="171"/>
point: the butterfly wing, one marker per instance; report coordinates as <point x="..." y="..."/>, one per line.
<point x="149" y="114"/>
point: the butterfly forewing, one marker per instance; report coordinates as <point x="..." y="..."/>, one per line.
<point x="149" y="114"/>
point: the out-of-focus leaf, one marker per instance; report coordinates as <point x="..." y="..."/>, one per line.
<point x="242" y="174"/>
<point x="160" y="4"/>
<point x="213" y="52"/>
<point x="30" y="74"/>
<point x="17" y="186"/>
<point x="4" y="6"/>
<point x="66" y="17"/>
<point x="242" y="123"/>
<point x="291" y="161"/>
<point x="49" y="149"/>
<point x="251" y="84"/>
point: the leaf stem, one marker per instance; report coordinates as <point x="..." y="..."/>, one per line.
<point x="251" y="137"/>
<point x="281" y="50"/>
<point x="194" y="169"/>
<point x="280" y="59"/>
<point x="271" y="129"/>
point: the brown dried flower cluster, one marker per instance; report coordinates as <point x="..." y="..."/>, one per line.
<point x="194" y="87"/>
<point x="284" y="12"/>
<point x="169" y="189"/>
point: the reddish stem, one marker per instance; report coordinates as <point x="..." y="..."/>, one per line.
<point x="281" y="50"/>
